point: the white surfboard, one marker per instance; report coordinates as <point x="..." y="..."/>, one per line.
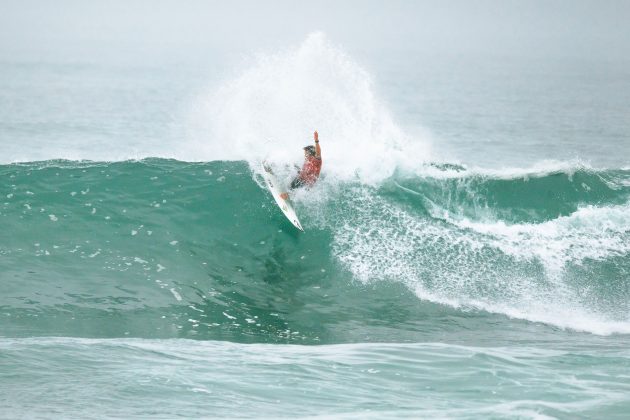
<point x="276" y="189"/>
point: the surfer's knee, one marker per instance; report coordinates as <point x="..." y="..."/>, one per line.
<point x="296" y="183"/>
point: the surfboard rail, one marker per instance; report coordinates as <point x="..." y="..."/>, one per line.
<point x="277" y="191"/>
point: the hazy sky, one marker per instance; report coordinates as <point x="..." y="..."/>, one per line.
<point x="162" y="29"/>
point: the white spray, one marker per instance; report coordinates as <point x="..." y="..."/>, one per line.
<point x="271" y="110"/>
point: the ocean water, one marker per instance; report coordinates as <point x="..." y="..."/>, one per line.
<point x="466" y="252"/>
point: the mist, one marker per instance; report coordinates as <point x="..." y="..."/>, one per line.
<point x="196" y="30"/>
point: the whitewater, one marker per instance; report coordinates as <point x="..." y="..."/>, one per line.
<point x="142" y="249"/>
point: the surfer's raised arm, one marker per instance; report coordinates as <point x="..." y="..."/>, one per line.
<point x="318" y="150"/>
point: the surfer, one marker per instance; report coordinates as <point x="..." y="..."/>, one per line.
<point x="308" y="175"/>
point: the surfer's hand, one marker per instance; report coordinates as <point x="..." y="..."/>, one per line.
<point x="316" y="136"/>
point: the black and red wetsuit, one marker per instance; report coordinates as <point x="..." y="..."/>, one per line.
<point x="309" y="173"/>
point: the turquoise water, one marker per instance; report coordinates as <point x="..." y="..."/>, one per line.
<point x="471" y="263"/>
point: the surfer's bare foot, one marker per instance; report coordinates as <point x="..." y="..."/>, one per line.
<point x="284" y="196"/>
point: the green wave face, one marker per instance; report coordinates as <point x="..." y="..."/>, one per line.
<point x="162" y="248"/>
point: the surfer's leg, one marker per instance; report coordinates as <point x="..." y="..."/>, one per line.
<point x="296" y="183"/>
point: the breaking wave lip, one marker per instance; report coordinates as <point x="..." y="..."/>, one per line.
<point x="399" y="248"/>
<point x="590" y="232"/>
<point x="540" y="169"/>
<point x="431" y="169"/>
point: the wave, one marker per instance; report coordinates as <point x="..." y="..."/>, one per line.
<point x="200" y="250"/>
